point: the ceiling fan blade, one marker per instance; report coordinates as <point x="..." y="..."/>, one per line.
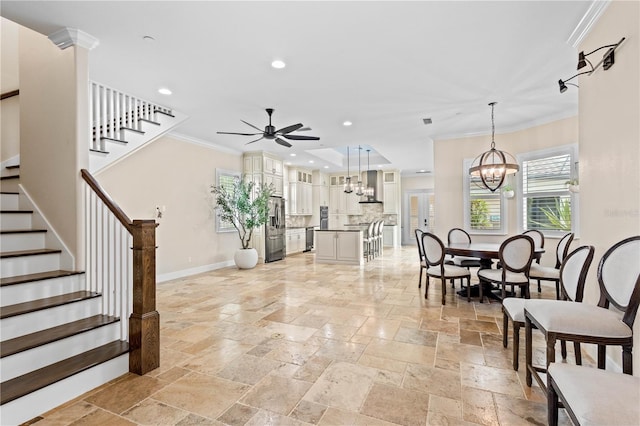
<point x="301" y="138"/>
<point x="260" y="138"/>
<point x="241" y="134"/>
<point x="249" y="124"/>
<point x="304" y="129"/>
<point x="289" y="129"/>
<point x="283" y="142"/>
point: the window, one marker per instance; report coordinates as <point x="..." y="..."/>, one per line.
<point x="545" y="202"/>
<point x="483" y="208"/>
<point x="225" y="179"/>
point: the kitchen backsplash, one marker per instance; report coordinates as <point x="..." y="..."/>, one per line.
<point x="297" y="221"/>
<point x="371" y="212"/>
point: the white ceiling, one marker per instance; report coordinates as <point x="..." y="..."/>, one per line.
<point x="382" y="65"/>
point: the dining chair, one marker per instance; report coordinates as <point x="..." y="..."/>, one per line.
<point x="376" y="239"/>
<point x="592" y="396"/>
<point x="546" y="273"/>
<point x="516" y="255"/>
<point x="619" y="282"/>
<point x="573" y="274"/>
<point x="460" y="236"/>
<point x="381" y="237"/>
<point x="436" y="267"/>
<point x="423" y="262"/>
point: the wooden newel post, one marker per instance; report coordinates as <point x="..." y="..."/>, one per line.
<point x="144" y="322"/>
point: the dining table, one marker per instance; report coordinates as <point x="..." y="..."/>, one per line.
<point x="486" y="252"/>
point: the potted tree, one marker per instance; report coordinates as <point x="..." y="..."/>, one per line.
<point x="243" y="204"/>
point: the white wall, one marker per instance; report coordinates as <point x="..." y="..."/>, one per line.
<point x="176" y="174"/>
<point x="610" y="144"/>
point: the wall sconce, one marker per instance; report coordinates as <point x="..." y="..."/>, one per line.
<point x="607" y="62"/>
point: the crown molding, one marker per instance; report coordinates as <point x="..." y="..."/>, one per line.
<point x="587" y="22"/>
<point x="67" y="37"/>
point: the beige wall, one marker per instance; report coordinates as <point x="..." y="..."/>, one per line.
<point x="10" y="114"/>
<point x="410" y="183"/>
<point x="449" y="173"/>
<point x="610" y="144"/>
<point x="176" y="174"/>
<point x="53" y="135"/>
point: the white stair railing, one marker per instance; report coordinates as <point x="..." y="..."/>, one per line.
<point x="112" y="112"/>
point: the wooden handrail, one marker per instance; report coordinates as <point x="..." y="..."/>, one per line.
<point x="144" y="321"/>
<point x="107" y="200"/>
<point x="10" y="94"/>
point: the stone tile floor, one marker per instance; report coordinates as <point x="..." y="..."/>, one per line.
<point x="297" y="343"/>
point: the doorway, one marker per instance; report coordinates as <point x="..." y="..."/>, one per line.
<point x="419" y="214"/>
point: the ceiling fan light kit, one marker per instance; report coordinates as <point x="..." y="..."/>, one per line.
<point x="494" y="165"/>
<point x="607" y="62"/>
<point x="270" y="133"/>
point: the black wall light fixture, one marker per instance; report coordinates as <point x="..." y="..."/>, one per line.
<point x="607" y="62"/>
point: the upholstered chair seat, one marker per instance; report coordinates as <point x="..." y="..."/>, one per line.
<point x="450" y="271"/>
<point x="496" y="275"/>
<point x="544" y="272"/>
<point x="592" y="396"/>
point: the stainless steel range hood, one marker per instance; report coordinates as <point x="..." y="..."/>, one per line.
<point x="373" y="180"/>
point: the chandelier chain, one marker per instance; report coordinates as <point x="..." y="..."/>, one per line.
<point x="493" y="128"/>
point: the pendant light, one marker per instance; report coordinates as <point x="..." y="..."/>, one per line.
<point x="359" y="187"/>
<point x="494" y="165"/>
<point x="368" y="191"/>
<point x="348" y="186"/>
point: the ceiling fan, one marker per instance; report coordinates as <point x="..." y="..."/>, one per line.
<point x="270" y="132"/>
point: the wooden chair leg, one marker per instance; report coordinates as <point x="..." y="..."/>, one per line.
<point x="516" y="346"/>
<point x="505" y="330"/>
<point x="563" y="349"/>
<point x="557" y="290"/>
<point x="528" y="334"/>
<point x="539" y="288"/>
<point x="480" y="285"/>
<point x="551" y="348"/>
<point x="602" y="357"/>
<point x="420" y="281"/>
<point x="426" y="287"/>
<point x="468" y="289"/>
<point x="627" y="359"/>
<point x="552" y="403"/>
<point x="578" y="353"/>
<point x="444" y="290"/>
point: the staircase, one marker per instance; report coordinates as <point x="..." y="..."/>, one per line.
<point x="56" y="343"/>
<point x="122" y="123"/>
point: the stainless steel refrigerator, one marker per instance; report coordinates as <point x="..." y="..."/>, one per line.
<point x="275" y="231"/>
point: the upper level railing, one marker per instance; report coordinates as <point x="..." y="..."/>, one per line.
<point x="112" y="112"/>
<point x="121" y="265"/>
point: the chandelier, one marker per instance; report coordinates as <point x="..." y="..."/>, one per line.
<point x="348" y="186"/>
<point x="494" y="165"/>
<point x="359" y="187"/>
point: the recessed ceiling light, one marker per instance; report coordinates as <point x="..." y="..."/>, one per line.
<point x="292" y="154"/>
<point x="148" y="38"/>
<point x="422" y="170"/>
<point x="164" y="91"/>
<point x="311" y="161"/>
<point x="278" y="64"/>
<point x="326" y="167"/>
<point x="347" y="123"/>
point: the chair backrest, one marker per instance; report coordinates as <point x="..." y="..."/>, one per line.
<point x="536" y="236"/>
<point x="419" y="233"/>
<point x="433" y="249"/>
<point x="370" y="230"/>
<point x="516" y="253"/>
<point x="381" y="228"/>
<point x="573" y="273"/>
<point x="619" y="278"/>
<point x="563" y="248"/>
<point x="457" y="236"/>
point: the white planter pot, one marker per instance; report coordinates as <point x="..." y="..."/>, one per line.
<point x="574" y="188"/>
<point x="246" y="258"/>
<point x="509" y="194"/>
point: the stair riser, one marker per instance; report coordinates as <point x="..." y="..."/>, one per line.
<point x="33" y="290"/>
<point x="27" y="361"/>
<point x="10" y="185"/>
<point x="9" y="201"/>
<point x="13" y="221"/>
<point x="39" y="320"/>
<point x="45" y="399"/>
<point x="22" y="265"/>
<point x="22" y="241"/>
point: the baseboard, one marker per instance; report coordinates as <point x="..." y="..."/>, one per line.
<point x="193" y="271"/>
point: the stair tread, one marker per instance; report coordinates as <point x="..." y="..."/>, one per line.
<point x="113" y="139"/>
<point x="38" y="379"/>
<point x="34" y="252"/>
<point x="98" y="151"/>
<point x="48" y="302"/>
<point x="10" y="177"/>
<point x="9" y="192"/>
<point x="132" y="130"/>
<point x="163" y="112"/>
<point x="20" y="279"/>
<point x="39" y="338"/>
<point x="14" y="166"/>
<point x="22" y="231"/>
<point x="16" y="211"/>
<point x="146" y="120"/>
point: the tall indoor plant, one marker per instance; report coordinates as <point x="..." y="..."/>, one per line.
<point x="245" y="205"/>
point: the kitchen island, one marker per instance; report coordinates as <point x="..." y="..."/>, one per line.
<point x="342" y="246"/>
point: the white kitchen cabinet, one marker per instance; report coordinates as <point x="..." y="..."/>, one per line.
<point x="343" y="247"/>
<point x="295" y="240"/>
<point x="390" y="236"/>
<point x="391" y="193"/>
<point x="269" y="168"/>
<point x="300" y="192"/>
